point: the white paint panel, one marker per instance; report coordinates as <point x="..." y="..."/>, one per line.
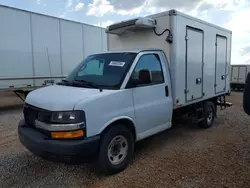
<point x="45" y="32"/>
<point x="235" y="74"/>
<point x="221" y="59"/>
<point x="242" y="74"/>
<point x="92" y="37"/>
<point x="194" y="64"/>
<point x="15" y="46"/>
<point x="71" y="45"/>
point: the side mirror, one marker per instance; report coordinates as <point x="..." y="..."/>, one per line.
<point x="144" y="77"/>
<point x="246" y="95"/>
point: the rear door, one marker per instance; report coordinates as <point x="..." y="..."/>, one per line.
<point x="235" y="74"/>
<point x="194" y="63"/>
<point x="220" y="64"/>
<point x="242" y="74"/>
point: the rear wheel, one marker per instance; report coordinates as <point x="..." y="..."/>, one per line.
<point x="116" y="149"/>
<point x="209" y="114"/>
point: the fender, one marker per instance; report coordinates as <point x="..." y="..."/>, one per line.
<point x="117" y="119"/>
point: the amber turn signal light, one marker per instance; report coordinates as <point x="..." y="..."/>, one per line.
<point x="68" y="134"/>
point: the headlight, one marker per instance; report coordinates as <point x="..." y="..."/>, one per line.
<point x="68" y="117"/>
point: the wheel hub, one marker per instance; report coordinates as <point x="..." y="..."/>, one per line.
<point x="117" y="150"/>
<point x="209" y="116"/>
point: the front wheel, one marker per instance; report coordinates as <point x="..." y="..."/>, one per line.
<point x="116" y="149"/>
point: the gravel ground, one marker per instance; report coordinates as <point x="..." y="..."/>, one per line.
<point x="184" y="156"/>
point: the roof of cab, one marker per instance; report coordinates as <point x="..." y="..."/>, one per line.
<point x="130" y="51"/>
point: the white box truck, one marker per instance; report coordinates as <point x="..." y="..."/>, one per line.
<point x="38" y="50"/>
<point x="238" y="76"/>
<point x="157" y="68"/>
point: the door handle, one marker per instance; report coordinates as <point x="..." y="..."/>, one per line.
<point x="166" y="91"/>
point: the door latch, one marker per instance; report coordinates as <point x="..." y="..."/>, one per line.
<point x="166" y="91"/>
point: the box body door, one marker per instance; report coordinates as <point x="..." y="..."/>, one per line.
<point x="194" y="63"/>
<point x="220" y="64"/>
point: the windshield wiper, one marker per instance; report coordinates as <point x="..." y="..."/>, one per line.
<point x="64" y="82"/>
<point x="84" y="82"/>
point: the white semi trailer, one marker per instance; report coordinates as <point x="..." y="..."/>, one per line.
<point x="238" y="76"/>
<point x="38" y="50"/>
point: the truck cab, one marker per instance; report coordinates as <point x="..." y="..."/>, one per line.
<point x="106" y="104"/>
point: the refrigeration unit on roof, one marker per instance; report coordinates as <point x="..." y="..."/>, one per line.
<point x="131" y="25"/>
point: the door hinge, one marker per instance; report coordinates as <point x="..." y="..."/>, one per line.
<point x="215" y="85"/>
<point x="186" y="37"/>
<point x="186" y="91"/>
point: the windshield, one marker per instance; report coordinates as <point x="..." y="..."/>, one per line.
<point x="102" y="70"/>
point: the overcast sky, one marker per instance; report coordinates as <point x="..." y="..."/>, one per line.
<point x="231" y="14"/>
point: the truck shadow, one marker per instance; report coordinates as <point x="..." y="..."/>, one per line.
<point x="178" y="126"/>
<point x="181" y="129"/>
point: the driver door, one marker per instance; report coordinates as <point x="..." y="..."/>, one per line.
<point x="152" y="102"/>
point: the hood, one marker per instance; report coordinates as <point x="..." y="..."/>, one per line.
<point x="59" y="98"/>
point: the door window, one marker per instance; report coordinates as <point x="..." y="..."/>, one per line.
<point x="150" y="62"/>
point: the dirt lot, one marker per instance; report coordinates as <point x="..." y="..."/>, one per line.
<point x="184" y="156"/>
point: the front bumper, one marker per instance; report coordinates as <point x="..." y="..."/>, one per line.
<point x="66" y="151"/>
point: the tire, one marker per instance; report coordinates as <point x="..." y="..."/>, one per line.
<point x="209" y="114"/>
<point x="106" y="163"/>
<point x="246" y="94"/>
